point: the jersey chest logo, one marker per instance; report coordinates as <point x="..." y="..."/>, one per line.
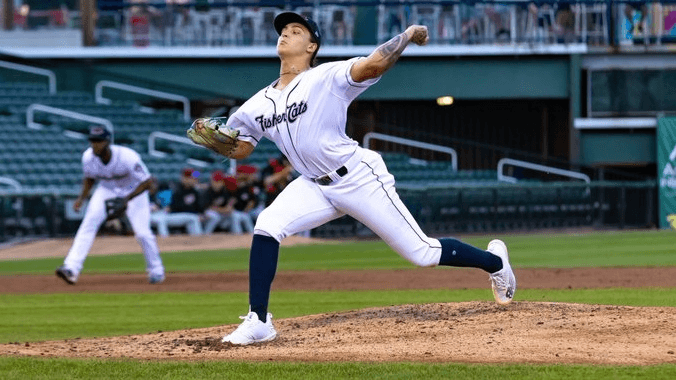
<point x="291" y="114"/>
<point x="112" y="177"/>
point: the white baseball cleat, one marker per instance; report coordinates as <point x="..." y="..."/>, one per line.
<point x="503" y="281"/>
<point x="252" y="330"/>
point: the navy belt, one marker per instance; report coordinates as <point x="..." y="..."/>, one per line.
<point x="326" y="180"/>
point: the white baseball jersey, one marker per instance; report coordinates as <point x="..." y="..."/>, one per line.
<point x="118" y="178"/>
<point x="306" y="120"/>
<point x="122" y="174"/>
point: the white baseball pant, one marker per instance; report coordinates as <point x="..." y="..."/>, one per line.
<point x="138" y="213"/>
<point x="366" y="193"/>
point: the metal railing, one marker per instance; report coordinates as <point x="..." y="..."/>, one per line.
<point x="51" y="77"/>
<point x="455" y="209"/>
<point x="416" y="144"/>
<point x="32" y="124"/>
<point x="143" y="91"/>
<point x="612" y="123"/>
<point x="520" y="207"/>
<point x="153" y="151"/>
<point x="245" y="23"/>
<point x="11" y="182"/>
<point x="541" y="168"/>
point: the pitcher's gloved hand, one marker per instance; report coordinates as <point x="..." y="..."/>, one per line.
<point x="212" y="133"/>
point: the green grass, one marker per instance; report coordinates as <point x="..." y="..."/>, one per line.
<point x="628" y="248"/>
<point x="24" y="368"/>
<point x="33" y="317"/>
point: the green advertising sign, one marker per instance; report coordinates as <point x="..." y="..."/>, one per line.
<point x="666" y="166"/>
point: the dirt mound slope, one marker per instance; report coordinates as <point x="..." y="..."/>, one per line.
<point x="481" y="332"/>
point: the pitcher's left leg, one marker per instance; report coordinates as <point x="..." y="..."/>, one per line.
<point x="371" y="198"/>
<point x="368" y="195"/>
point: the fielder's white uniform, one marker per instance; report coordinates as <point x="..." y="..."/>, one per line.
<point x="306" y="120"/>
<point x="123" y="173"/>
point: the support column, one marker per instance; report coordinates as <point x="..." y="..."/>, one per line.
<point x="575" y="68"/>
<point x="88" y="11"/>
<point x="7" y="14"/>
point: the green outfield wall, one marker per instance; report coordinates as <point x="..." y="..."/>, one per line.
<point x="413" y="78"/>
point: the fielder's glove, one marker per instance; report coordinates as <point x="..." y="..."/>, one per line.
<point x="115" y="208"/>
<point x="213" y="134"/>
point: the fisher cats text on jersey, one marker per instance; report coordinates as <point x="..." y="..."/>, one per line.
<point x="292" y="112"/>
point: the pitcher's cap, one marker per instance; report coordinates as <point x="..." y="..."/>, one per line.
<point x="288" y="17"/>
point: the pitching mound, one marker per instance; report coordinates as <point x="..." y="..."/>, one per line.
<point x="481" y="332"/>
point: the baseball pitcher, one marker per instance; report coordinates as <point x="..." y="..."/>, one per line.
<point x="304" y="113"/>
<point x="124" y="181"/>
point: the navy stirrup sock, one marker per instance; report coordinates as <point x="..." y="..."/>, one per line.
<point x="458" y="254"/>
<point x="262" y="268"/>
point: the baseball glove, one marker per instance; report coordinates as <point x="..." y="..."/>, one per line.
<point x="213" y="134"/>
<point x="115" y="208"/>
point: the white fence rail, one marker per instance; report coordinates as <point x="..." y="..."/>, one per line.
<point x="417" y="144"/>
<point x="542" y="168"/>
<point x="51" y="77"/>
<point x="152" y="149"/>
<point x="615" y="123"/>
<point x="143" y="91"/>
<point x="33" y="108"/>
<point x="11" y="182"/>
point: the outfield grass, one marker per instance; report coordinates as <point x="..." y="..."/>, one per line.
<point x="629" y="248"/>
<point x="24" y="368"/>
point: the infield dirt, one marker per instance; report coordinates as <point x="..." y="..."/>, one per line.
<point x="481" y="332"/>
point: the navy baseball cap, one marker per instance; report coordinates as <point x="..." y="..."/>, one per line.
<point x="288" y="17"/>
<point x="98" y="133"/>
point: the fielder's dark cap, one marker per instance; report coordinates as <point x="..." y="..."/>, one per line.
<point x="98" y="133"/>
<point x="288" y="17"/>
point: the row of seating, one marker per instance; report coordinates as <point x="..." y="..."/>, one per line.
<point x="414" y="173"/>
<point x="49" y="156"/>
<point x="23" y="88"/>
<point x="48" y="160"/>
<point x="72" y="97"/>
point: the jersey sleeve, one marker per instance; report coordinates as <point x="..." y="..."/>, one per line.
<point x="241" y="121"/>
<point x="88" y="170"/>
<point x="138" y="169"/>
<point x="341" y="82"/>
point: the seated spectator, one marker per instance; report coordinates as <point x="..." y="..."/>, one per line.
<point x="564" y="23"/>
<point x="276" y="176"/>
<point x="183" y="209"/>
<point x="160" y="198"/>
<point x="247" y="197"/>
<point x="220" y="201"/>
<point x="635" y="14"/>
<point x="542" y="21"/>
<point x="497" y="13"/>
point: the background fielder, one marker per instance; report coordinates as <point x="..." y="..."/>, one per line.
<point x="121" y="173"/>
<point x="304" y="112"/>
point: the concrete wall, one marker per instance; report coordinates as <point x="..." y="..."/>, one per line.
<point x="413" y="78"/>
